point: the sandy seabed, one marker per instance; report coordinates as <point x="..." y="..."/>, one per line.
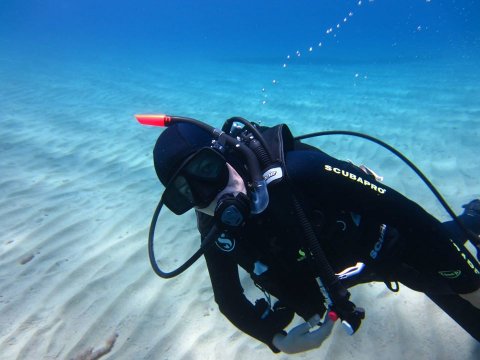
<point x="77" y="191"/>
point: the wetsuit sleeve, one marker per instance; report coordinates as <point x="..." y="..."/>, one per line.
<point x="232" y="302"/>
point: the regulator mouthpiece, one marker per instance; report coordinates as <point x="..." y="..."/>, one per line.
<point x="259" y="197"/>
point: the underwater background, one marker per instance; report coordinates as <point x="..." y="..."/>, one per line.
<point x="78" y="188"/>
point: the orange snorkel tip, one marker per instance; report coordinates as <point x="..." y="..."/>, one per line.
<point x="154" y="120"/>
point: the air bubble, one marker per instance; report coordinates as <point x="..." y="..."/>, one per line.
<point x="331" y="31"/>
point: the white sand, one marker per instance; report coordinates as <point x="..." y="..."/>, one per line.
<point x="77" y="191"/>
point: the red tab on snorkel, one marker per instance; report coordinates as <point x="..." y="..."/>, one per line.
<point x="154" y="120"/>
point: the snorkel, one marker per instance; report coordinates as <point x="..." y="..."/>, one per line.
<point x="258" y="189"/>
<point x="259" y="196"/>
<point x="235" y="215"/>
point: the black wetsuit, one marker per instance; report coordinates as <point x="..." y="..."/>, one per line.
<point x="356" y="218"/>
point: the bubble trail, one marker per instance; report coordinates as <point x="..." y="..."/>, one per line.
<point x="329" y="32"/>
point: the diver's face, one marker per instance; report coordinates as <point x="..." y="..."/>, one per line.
<point x="234" y="186"/>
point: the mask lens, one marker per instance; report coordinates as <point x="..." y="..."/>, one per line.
<point x="207" y="166"/>
<point x="197" y="182"/>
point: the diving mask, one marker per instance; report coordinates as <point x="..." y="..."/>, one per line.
<point x="197" y="182"/>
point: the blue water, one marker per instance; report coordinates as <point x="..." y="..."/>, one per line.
<point x="128" y="35"/>
<point x="77" y="186"/>
<point x="248" y="40"/>
<point x="246" y="29"/>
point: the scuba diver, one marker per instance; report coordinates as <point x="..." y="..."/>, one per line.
<point x="306" y="227"/>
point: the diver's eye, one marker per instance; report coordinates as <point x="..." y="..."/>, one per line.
<point x="183" y="188"/>
<point x="208" y="168"/>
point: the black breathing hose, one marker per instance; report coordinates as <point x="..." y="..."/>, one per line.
<point x="338" y="295"/>
<point x="323" y="268"/>
<point x="209" y="239"/>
